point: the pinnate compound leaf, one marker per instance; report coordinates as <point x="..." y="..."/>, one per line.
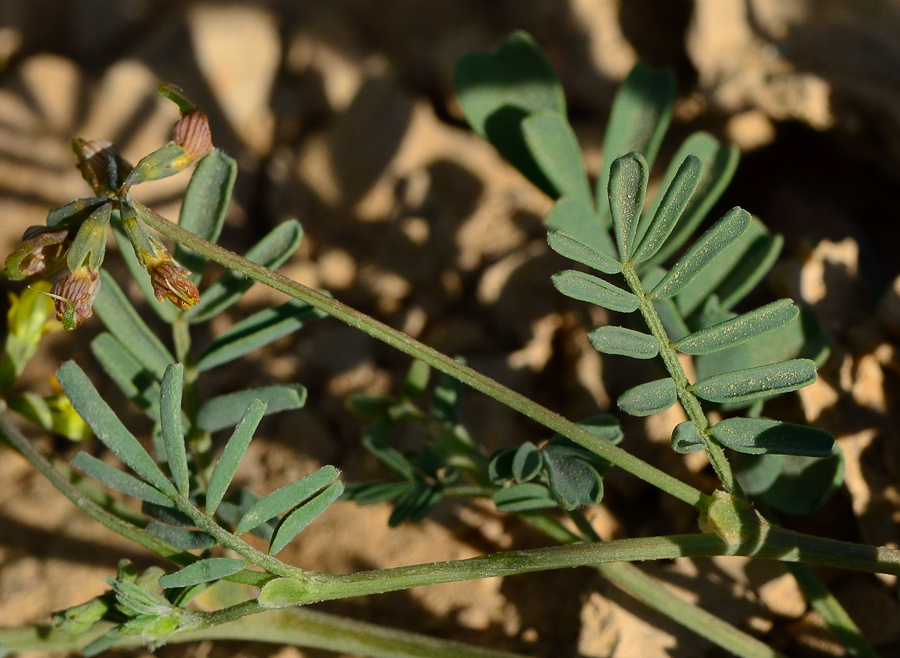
<point x="686" y="438"/>
<point x="108" y="428"/>
<point x="573" y="482"/>
<point x="187" y="540"/>
<point x="205" y="204"/>
<point x="740" y="329"/>
<point x="172" y="429"/>
<point x="649" y="398"/>
<point x="122" y="321"/>
<point x="719" y="164"/>
<point x="527" y="462"/>
<point x="288" y="496"/>
<point x="226" y="410"/>
<point x="136" y="382"/>
<point x="553" y="145"/>
<point x="581" y="223"/>
<point x="272" y="251"/>
<point x="627" y="190"/>
<point x="226" y="466"/>
<point x="295" y="522"/>
<point x="256" y="331"/>
<point x="415" y="504"/>
<point x="759" y="382"/>
<point x="523" y="497"/>
<point x="119" y="480"/>
<point x="671" y="206"/>
<point x="565" y="245"/>
<point x="757" y="436"/>
<point x="640" y="116"/>
<point x="627" y="342"/>
<point x="587" y="288"/>
<point x="711" y="243"/>
<point x="203" y="571"/>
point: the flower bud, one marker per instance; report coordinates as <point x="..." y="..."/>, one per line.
<point x="75" y="294"/>
<point x="100" y="164"/>
<point x="192" y="134"/>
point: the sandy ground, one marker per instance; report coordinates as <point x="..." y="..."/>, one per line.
<point x="342" y="115"/>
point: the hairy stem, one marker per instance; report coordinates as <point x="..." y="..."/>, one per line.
<point x="442" y="362"/>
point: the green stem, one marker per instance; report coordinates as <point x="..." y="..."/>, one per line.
<point x="408" y="345"/>
<point x="301" y="628"/>
<point x="238" y="545"/>
<point x="837" y="619"/>
<point x="689" y="401"/>
<point x="650" y="592"/>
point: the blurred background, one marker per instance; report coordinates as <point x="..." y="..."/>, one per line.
<point x="343" y="115"/>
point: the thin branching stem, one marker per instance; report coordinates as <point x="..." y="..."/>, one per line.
<point x="442" y="362"/>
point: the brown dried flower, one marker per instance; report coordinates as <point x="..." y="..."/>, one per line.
<point x="41" y="250"/>
<point x="75" y="294"/>
<point x="170" y="282"/>
<point x="193" y="135"/>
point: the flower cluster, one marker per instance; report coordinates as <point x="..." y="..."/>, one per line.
<point x="70" y="248"/>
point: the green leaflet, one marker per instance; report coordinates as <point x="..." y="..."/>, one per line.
<point x="649" y="398"/>
<point x="523" y="498"/>
<point x="638" y="122"/>
<point x="122" y="321"/>
<point x="172" y="429"/>
<point x="136" y="382"/>
<point x="619" y="340"/>
<point x="591" y="289"/>
<point x="686" y="438"/>
<point x="119" y="480"/>
<point x="581" y="223"/>
<point x="416" y="380"/>
<point x="568" y="246"/>
<point x="226" y="410"/>
<point x="203" y="571"/>
<point x="737" y="330"/>
<point x="517" y="74"/>
<point x="733" y="271"/>
<point x="205" y="204"/>
<point x="627" y="190"/>
<point x="256" y="331"/>
<point x="370" y="493"/>
<point x="759" y="382"/>
<point x="671" y="206"/>
<point x="711" y="243"/>
<point x="288" y="496"/>
<point x="756" y="436"/>
<point x="553" y="145"/>
<point x="272" y="251"/>
<point x="573" y="482"/>
<point x="231" y="457"/>
<point x="187" y="540"/>
<point x="295" y="522"/>
<point x="719" y="164"/>
<point x="527" y="462"/>
<point x="805" y="484"/>
<point x="107" y="426"/>
<point x="756" y="473"/>
<point x="498" y="91"/>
